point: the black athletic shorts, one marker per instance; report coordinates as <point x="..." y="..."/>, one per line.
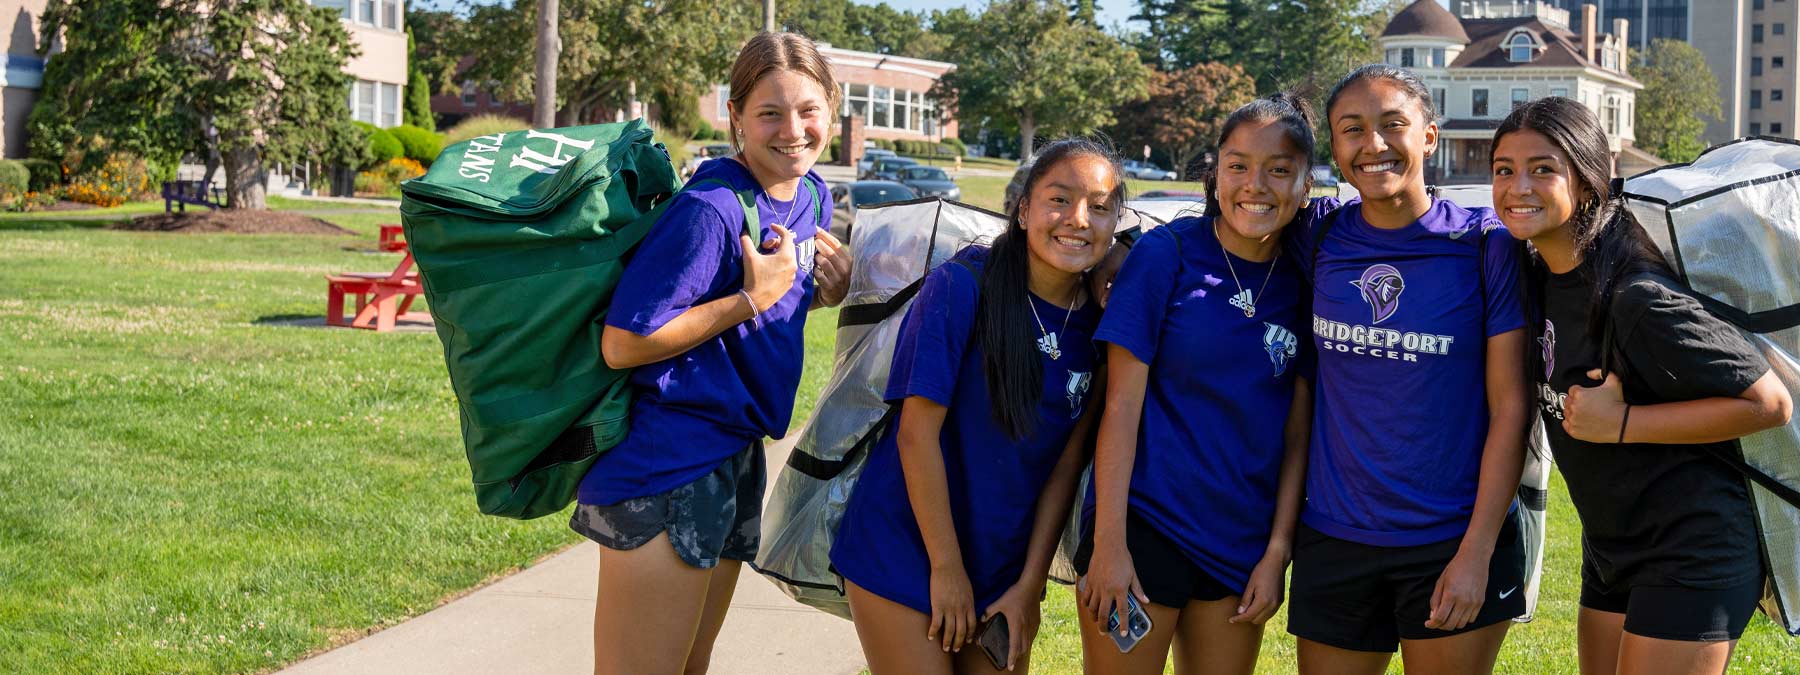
<point x="1369" y="598"/>
<point x="718" y="516"/>
<point x="1168" y="577"/>
<point x="1675" y="612"/>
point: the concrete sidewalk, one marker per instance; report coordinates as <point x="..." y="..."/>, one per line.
<point x="541" y="620"/>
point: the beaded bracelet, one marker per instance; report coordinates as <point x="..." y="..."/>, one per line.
<point x="755" y="314"/>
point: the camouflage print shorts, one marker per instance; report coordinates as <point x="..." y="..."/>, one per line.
<point x="719" y="515"/>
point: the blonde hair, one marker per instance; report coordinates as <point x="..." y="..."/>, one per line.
<point x="768" y="52"/>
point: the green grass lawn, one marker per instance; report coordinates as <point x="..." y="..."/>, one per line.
<point x="190" y="488"/>
<point x="988" y="191"/>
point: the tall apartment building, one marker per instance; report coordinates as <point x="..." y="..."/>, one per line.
<point x="1748" y="44"/>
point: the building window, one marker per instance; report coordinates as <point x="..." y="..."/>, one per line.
<point x="1757" y="5"/>
<point x="1438" y="58"/>
<point x="1611" y="116"/>
<point x="1520" y="96"/>
<point x="342" y="6"/>
<point x="1777" y="62"/>
<point x="1780" y="29"/>
<point x="365" y="12"/>
<point x="390" y="19"/>
<point x="1406" y="58"/>
<point x="1393" y="57"/>
<point x="724" y="102"/>
<point x="1755" y="66"/>
<point x="468" y="92"/>
<point x="1755" y="129"/>
<point x="1756" y="34"/>
<point x="1478" y="103"/>
<point x="390" y="105"/>
<point x="1774" y="94"/>
<point x="364" y="104"/>
<point x="1755" y="99"/>
<point x="1438" y="101"/>
<point x="1519" y="48"/>
<point x="1560" y="91"/>
<point x="1774" y="128"/>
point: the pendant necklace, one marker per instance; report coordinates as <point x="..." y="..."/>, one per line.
<point x="1047" y="343"/>
<point x="1243" y="299"/>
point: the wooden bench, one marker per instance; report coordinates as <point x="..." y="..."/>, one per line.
<point x="177" y="194"/>
<point x="381" y="297"/>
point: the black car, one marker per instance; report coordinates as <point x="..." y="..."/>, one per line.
<point x="888" y="168"/>
<point x="861" y="194"/>
<point x="930" y="181"/>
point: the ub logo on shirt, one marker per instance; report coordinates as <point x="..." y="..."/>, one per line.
<point x="1381" y="286"/>
<point x="1077" y="389"/>
<point x="1548" y="343"/>
<point x="1281" y="344"/>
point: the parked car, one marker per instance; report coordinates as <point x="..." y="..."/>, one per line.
<point x="930" y="181"/>
<point x="888" y="168"/>
<point x="869" y="157"/>
<point x="1322" y="177"/>
<point x="717" y="150"/>
<point x="848" y="197"/>
<point x="1147" y="171"/>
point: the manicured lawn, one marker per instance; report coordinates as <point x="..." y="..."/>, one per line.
<point x="989" y="191"/>
<point x="190" y="488"/>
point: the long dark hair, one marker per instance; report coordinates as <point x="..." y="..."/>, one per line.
<point x="1003" y="318"/>
<point x="1296" y="119"/>
<point x="1606" y="234"/>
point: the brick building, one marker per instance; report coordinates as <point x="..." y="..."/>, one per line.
<point x="887" y="92"/>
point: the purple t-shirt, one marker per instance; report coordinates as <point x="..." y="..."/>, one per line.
<point x="1401" y="416"/>
<point x="994" y="482"/>
<point x="694" y="410"/>
<point x="1211" y="442"/>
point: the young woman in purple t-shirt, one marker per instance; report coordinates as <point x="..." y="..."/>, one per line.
<point x="1408" y="540"/>
<point x="713" y="327"/>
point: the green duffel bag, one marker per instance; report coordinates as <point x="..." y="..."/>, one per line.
<point x="520" y="238"/>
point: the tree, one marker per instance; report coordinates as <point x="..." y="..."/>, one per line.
<point x="1024" y="65"/>
<point x="1282" y="44"/>
<point x="875" y="28"/>
<point x="549" y="46"/>
<point x="610" y="47"/>
<point x="442" y="43"/>
<point x="418" y="93"/>
<point x="254" y="80"/>
<point x="1186" y="111"/>
<point x="1678" y="90"/>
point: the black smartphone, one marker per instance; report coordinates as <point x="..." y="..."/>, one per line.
<point x="995" y="640"/>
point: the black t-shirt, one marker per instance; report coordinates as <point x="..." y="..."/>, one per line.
<point x="1651" y="514"/>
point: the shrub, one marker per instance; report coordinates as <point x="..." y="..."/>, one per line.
<point x="884" y="144"/>
<point x="677" y="147"/>
<point x="962" y="149"/>
<point x="704" y="131"/>
<point x="15" y="179"/>
<point x="29" y="201"/>
<point x="45" y="174"/>
<point x="417" y="144"/>
<point x="720" y="135"/>
<point x="121" y="177"/>
<point x="483" y="125"/>
<point x="383" y="147"/>
<point x="385" y="179"/>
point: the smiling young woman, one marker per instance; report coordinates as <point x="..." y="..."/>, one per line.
<point x="1408" y="538"/>
<point x="1202" y="447"/>
<point x="956" y="517"/>
<point x="1671" y="569"/>
<point x="713" y="327"/>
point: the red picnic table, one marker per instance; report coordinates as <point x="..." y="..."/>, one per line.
<point x="381" y="297"/>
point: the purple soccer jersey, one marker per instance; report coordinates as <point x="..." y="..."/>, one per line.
<point x="1400" y="321"/>
<point x="694" y="410"/>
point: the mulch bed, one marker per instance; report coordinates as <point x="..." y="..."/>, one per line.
<point x="232" y="222"/>
<point x="66" y="205"/>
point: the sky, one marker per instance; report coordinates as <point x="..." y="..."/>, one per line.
<point x="1111" y="11"/>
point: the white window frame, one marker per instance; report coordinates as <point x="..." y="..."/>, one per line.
<point x="1517" y="99"/>
<point x="1487" y="102"/>
<point x="1520" y="39"/>
<point x="724" y="92"/>
<point x="1559" y="91"/>
<point x="468" y="92"/>
<point x="388" y="104"/>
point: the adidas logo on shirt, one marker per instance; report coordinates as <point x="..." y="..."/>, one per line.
<point x="1242" y="300"/>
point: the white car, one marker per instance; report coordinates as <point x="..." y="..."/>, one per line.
<point x="1147" y="171"/>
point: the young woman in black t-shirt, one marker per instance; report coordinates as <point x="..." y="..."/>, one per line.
<point x="1671" y="567"/>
